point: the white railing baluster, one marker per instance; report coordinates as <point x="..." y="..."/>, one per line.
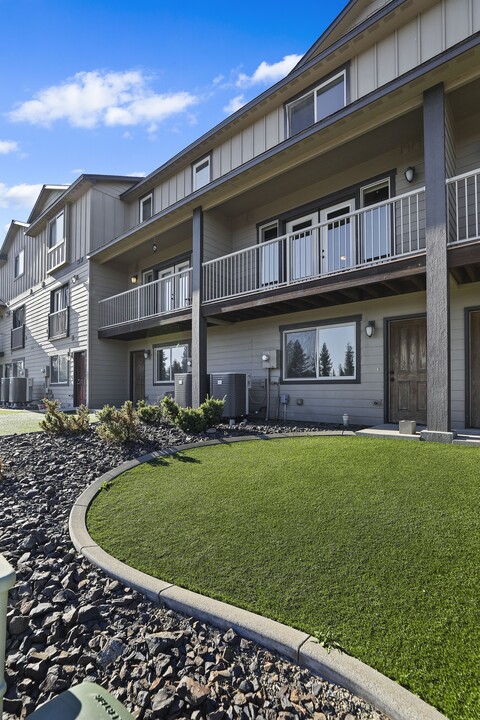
<point x="465" y="211"/>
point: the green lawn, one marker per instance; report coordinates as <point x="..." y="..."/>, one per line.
<point x="378" y="540"/>
<point x="19" y="421"/>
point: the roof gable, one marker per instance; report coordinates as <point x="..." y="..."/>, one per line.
<point x="48" y="194"/>
<point x="15" y="227"/>
<point x="354" y="13"/>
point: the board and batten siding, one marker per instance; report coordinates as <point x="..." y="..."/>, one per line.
<point x="108" y="214"/>
<point x="34" y="264"/>
<point x="428" y="34"/>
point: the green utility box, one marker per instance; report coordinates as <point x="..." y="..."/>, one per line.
<point x="87" y="701"/>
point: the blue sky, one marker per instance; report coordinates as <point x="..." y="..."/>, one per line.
<point x="114" y="87"/>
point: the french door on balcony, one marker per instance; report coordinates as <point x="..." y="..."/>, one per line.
<point x="338" y="237"/>
<point x="376" y="224"/>
<point x="174" y="292"/>
<point x="303" y="259"/>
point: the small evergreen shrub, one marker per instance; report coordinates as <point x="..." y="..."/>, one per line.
<point x="170" y="409"/>
<point x="57" y="422"/>
<point x="193" y="420"/>
<point x="118" y="426"/>
<point x="212" y="410"/>
<point x="150" y="414"/>
<point x="190" y="420"/>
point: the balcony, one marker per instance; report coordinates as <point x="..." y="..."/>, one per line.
<point x="18" y="338"/>
<point x="146" y="303"/>
<point x="365" y="238"/>
<point x="58" y="324"/>
<point x="56" y="256"/>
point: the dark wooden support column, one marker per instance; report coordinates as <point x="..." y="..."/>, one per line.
<point x="438" y="290"/>
<point x="199" y="324"/>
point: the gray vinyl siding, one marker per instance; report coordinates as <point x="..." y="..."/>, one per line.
<point x="239" y="348"/>
<point x="38" y="347"/>
<point x="108" y="214"/>
<point x="107" y="360"/>
<point x="217" y="235"/>
<point x="154" y="393"/>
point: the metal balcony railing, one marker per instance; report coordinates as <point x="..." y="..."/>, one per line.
<point x="463" y="198"/>
<point x="369" y="236"/>
<point x="160" y="297"/>
<point x="58" y="324"/>
<point x="18" y="338"/>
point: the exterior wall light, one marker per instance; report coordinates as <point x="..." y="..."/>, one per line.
<point x="74" y="279"/>
<point x="370" y="328"/>
<point x="409" y="173"/>
<point x="154" y="247"/>
<point x="134" y="279"/>
<point x="146" y="354"/>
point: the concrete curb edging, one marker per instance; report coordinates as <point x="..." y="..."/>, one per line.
<point x="342" y="669"/>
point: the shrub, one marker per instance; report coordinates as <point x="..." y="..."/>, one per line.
<point x="151" y="414"/>
<point x="190" y="420"/>
<point x="118" y="426"/>
<point x="170" y="409"/>
<point x="194" y="420"/>
<point x="57" y="422"/>
<point x="212" y="410"/>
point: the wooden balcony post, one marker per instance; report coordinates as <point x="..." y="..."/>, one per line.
<point x="199" y="323"/>
<point x="438" y="286"/>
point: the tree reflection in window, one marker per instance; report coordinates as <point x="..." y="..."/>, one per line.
<point x="326" y="351"/>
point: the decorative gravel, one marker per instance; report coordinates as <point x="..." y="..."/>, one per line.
<point x="68" y="622"/>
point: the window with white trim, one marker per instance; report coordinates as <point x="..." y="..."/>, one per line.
<point x="56" y="230"/>
<point x="323" y="352"/>
<point x="146" y="207"/>
<point x="19" y="264"/>
<point x="318" y="103"/>
<point x="59" y="370"/>
<point x="201" y="173"/>
<point x="168" y="360"/>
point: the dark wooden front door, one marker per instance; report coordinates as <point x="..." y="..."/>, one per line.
<point x="474" y="365"/>
<point x="407" y="370"/>
<point x="138" y="375"/>
<point x="79" y="378"/>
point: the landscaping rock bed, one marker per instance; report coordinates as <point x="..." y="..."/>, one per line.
<point x="68" y="622"/>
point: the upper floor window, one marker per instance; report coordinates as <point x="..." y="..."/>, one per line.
<point x="201" y="173"/>
<point x="146" y="207"/>
<point x="318" y="103"/>
<point x="56" y="230"/>
<point x="19" y="264"/>
<point x="59" y="299"/>
<point x="18" y="328"/>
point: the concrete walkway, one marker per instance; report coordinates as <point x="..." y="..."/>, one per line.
<point x="384" y="694"/>
<point x="467" y="436"/>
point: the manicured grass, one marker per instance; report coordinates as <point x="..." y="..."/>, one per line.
<point x="18" y="422"/>
<point x="378" y="540"/>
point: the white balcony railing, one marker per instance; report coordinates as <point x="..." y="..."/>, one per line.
<point x="56" y="256"/>
<point x="58" y="324"/>
<point x="463" y="196"/>
<point x="369" y="236"/>
<point x="160" y="297"/>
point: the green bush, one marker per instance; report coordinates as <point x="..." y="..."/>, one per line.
<point x="170" y="409"/>
<point x="150" y="414"/>
<point x="57" y="422"/>
<point x="212" y="410"/>
<point x="118" y="426"/>
<point x="193" y="420"/>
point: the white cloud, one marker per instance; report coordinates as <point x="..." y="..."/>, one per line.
<point x="98" y="97"/>
<point x="8" y="146"/>
<point x="235" y="104"/>
<point x="141" y="173"/>
<point x="266" y="74"/>
<point x="17" y="197"/>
